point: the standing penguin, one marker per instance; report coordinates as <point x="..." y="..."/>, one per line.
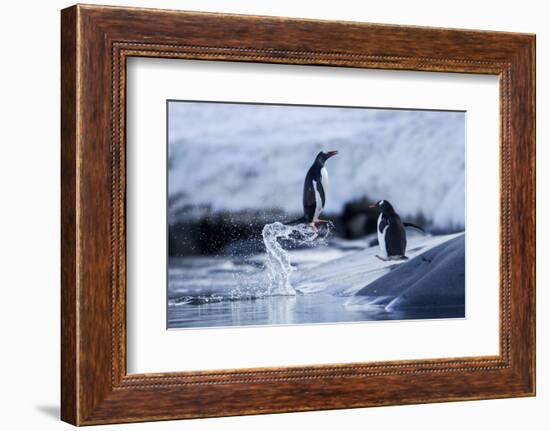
<point x="392" y="236"/>
<point x="315" y="190"/>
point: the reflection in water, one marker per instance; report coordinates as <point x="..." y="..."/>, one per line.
<point x="288" y="310"/>
<point x="280" y="312"/>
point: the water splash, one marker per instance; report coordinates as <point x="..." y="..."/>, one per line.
<point x="279" y="268"/>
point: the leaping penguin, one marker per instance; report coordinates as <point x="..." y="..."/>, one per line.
<point x="315" y="190"/>
<point x="392" y="236"/>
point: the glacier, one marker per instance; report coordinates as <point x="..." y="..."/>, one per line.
<point x="238" y="157"/>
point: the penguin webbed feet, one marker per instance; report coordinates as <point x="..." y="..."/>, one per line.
<point x="316" y="225"/>
<point x="389" y="258"/>
<point x="328" y="223"/>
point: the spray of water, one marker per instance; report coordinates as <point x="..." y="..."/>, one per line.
<point x="279" y="268"/>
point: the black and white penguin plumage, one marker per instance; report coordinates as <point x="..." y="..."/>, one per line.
<point x="315" y="190"/>
<point x="392" y="236"/>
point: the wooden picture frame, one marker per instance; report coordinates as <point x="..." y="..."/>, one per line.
<point x="95" y="43"/>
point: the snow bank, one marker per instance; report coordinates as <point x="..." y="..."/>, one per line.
<point x="347" y="275"/>
<point x="434" y="279"/>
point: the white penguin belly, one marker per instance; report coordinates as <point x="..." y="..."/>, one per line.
<point x="382" y="237"/>
<point x="324" y="180"/>
<point x="318" y="203"/>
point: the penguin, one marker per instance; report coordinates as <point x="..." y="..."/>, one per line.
<point x="315" y="190"/>
<point x="392" y="236"/>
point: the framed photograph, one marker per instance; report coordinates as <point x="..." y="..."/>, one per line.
<point x="259" y="235"/>
<point x="264" y="214"/>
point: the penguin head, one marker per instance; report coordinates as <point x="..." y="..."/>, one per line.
<point x="383" y="206"/>
<point x="323" y="156"/>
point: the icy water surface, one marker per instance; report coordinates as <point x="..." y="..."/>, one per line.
<point x="280" y="287"/>
<point x="289" y="310"/>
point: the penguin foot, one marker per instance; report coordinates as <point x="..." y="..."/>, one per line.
<point x="390" y="258"/>
<point x="399" y="257"/>
<point x="313" y="227"/>
<point x="328" y="223"/>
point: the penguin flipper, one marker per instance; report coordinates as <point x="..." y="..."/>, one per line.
<point x="408" y="224"/>
<point x="321" y="191"/>
<point x="382" y="224"/>
<point x="309" y="201"/>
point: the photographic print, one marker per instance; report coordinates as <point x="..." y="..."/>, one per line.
<point x="294" y="214"/>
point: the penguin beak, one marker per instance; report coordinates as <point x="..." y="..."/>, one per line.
<point x="332" y="153"/>
<point x="373" y="206"/>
